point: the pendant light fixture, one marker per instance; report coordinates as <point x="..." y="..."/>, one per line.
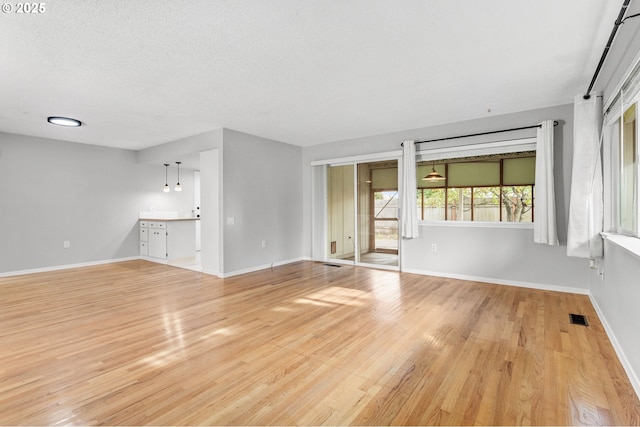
<point x="433" y="176"/>
<point x="178" y="186"/>
<point x="166" y="188"/>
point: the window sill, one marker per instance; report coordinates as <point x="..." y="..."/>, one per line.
<point x="477" y="224"/>
<point x="628" y="243"/>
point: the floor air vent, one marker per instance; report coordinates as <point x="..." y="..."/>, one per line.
<point x="332" y="265"/>
<point x="578" y="319"/>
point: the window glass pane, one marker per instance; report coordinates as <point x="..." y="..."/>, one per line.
<point x="385" y="204"/>
<point x="384" y="179"/>
<point x="340" y="210"/>
<point x="628" y="169"/>
<point x="474" y="173"/>
<point x="474" y="185"/>
<point x="486" y="204"/>
<point x="519" y="171"/>
<point x="517" y="203"/>
<point x="459" y="204"/>
<point x="433" y="200"/>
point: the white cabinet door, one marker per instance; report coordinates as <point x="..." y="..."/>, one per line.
<point x="158" y="243"/>
<point x="144" y="234"/>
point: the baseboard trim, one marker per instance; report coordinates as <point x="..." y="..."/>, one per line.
<point x="67" y="266"/>
<point x="156" y="260"/>
<point x="259" y="267"/>
<point x="519" y="284"/>
<point x="211" y="273"/>
<point x="633" y="377"/>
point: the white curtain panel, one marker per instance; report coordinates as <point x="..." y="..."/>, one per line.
<point x="586" y="205"/>
<point x="408" y="209"/>
<point x="544" y="225"/>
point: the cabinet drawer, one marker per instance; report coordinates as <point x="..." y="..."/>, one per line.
<point x="144" y="234"/>
<point x="153" y="224"/>
<point x="162" y="224"/>
<point x="144" y="224"/>
<point x="144" y="248"/>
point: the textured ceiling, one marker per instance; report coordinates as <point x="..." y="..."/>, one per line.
<point x="141" y="73"/>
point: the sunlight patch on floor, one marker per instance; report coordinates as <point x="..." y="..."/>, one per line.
<point x="335" y="295"/>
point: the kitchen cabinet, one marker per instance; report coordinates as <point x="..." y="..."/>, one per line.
<point x="167" y="240"/>
<point x="144" y="238"/>
<point x="158" y="240"/>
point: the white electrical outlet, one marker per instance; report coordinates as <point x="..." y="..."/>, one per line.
<point x="264" y="243"/>
<point x="66" y="244"/>
<point x="434" y="247"/>
<point x="231" y="220"/>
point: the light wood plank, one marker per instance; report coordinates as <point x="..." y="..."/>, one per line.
<point x="139" y="343"/>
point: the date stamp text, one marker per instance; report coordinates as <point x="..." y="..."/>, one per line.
<point x="24" y="8"/>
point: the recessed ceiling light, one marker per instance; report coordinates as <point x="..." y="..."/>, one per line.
<point x="64" y="121"/>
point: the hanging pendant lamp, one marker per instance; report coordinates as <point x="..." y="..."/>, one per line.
<point x="166" y="188"/>
<point x="178" y="186"/>
<point x="433" y="176"/>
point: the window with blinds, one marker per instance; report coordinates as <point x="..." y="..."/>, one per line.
<point x="488" y="188"/>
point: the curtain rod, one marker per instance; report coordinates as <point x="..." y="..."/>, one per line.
<point x="619" y="21"/>
<point x="555" y="123"/>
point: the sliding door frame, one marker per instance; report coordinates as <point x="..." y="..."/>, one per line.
<point x="320" y="206"/>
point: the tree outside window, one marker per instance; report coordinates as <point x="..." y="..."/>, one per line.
<point x="484" y="188"/>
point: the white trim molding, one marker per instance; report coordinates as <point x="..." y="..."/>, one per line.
<point x="477" y="224"/>
<point x="487" y="148"/>
<point x="387" y="155"/>
<point x="493" y="281"/>
<point x="65" y="267"/>
<point x="633" y="377"/>
<point x="628" y="243"/>
<point x="257" y="268"/>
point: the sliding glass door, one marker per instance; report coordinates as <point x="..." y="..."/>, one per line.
<point x="341" y="212"/>
<point x="363" y="197"/>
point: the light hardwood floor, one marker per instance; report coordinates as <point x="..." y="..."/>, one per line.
<point x="142" y="343"/>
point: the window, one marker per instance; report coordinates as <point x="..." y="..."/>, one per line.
<point x="385" y="220"/>
<point x="628" y="168"/>
<point x="489" y="188"/>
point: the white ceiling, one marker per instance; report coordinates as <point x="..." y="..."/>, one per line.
<point x="139" y="73"/>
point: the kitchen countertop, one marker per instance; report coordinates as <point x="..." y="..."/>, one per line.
<point x="169" y="219"/>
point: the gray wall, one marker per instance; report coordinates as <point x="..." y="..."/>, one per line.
<point x="621" y="55"/>
<point x="535" y="264"/>
<point x="185" y="149"/>
<point x="263" y="193"/>
<point x="503" y="255"/>
<point x="211" y="246"/>
<point x="52" y="191"/>
<point x="202" y="152"/>
<point x="617" y="293"/>
<point x="260" y="187"/>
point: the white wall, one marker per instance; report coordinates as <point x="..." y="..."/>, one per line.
<point x="517" y="260"/>
<point x="52" y="191"/>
